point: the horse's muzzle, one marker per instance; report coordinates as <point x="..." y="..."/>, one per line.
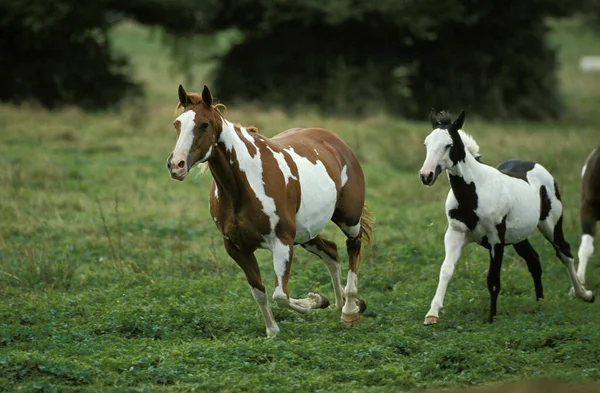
<point x="427" y="178"/>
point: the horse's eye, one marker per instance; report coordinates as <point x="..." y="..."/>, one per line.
<point x="448" y="146"/>
<point x="203" y="126"/>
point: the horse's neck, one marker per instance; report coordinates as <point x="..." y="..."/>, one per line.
<point x="230" y="159"/>
<point x="470" y="170"/>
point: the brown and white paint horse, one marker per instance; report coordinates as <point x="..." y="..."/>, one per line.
<point x="589" y="210"/>
<point x="273" y="193"/>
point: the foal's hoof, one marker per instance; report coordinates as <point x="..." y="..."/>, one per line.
<point x="350" y="320"/>
<point x="431" y="320"/>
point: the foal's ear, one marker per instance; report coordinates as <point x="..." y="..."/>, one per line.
<point x="458" y="123"/>
<point x="184" y="99"/>
<point x="433" y="119"/>
<point x="206" y="97"/>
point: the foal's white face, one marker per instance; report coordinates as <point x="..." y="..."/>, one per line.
<point x="438" y="145"/>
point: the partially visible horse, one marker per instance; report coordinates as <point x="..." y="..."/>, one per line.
<point x="589" y="210"/>
<point x="493" y="207"/>
<point x="273" y="193"/>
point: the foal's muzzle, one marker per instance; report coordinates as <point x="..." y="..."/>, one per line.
<point x="428" y="177"/>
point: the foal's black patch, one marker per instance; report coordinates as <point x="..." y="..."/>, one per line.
<point x="466" y="195"/>
<point x="545" y="204"/>
<point x="501" y="228"/>
<point x="516" y="168"/>
<point x="556" y="192"/>
<point x="457" y="151"/>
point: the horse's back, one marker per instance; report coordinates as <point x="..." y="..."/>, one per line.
<point x="330" y="176"/>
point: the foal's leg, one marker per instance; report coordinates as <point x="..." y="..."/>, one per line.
<point x="454" y="241"/>
<point x="586" y="248"/>
<point x="327" y="251"/>
<point x="554" y="234"/>
<point x="527" y="252"/>
<point x="493" y="278"/>
<point x="283" y="251"/>
<point x="248" y="263"/>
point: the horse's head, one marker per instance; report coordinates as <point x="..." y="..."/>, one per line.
<point x="443" y="144"/>
<point x="197" y="129"/>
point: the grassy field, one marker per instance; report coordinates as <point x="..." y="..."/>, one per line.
<point x="113" y="277"/>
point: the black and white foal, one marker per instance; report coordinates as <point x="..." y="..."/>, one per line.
<point x="493" y="207"/>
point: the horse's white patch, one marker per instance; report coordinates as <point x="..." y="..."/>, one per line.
<point x="344" y="175"/>
<point x="351" y="231"/>
<point x="319" y="197"/>
<point x="283" y="166"/>
<point x="186" y="132"/>
<point x="252" y="167"/>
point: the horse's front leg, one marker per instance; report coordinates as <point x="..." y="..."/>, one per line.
<point x="283" y="252"/>
<point x="247" y="261"/>
<point x="493" y="278"/>
<point x="454" y="241"/>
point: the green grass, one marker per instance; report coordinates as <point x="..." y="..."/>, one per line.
<point x="113" y="276"/>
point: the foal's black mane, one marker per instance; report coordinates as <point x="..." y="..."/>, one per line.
<point x="443" y="119"/>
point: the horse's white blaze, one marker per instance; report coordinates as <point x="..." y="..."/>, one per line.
<point x="351" y="231"/>
<point x="283" y="166"/>
<point x="318" y="198"/>
<point x="252" y="167"/>
<point x="344" y="175"/>
<point x="186" y="133"/>
<point x="585" y="252"/>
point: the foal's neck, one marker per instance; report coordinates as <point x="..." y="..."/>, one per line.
<point x="469" y="169"/>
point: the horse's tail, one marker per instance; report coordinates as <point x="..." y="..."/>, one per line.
<point x="367" y="223"/>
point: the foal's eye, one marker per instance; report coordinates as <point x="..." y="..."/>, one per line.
<point x="448" y="146"/>
<point x="203" y="127"/>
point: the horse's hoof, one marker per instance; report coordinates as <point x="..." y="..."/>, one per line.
<point x="320" y="300"/>
<point x="350" y="320"/>
<point x="362" y="306"/>
<point x="431" y="320"/>
<point x="593" y="298"/>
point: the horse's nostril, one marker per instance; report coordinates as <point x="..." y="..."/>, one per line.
<point x="429" y="177"/>
<point x="169" y="164"/>
<point x="181" y="164"/>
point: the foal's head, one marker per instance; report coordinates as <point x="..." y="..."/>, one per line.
<point x="444" y="145"/>
<point x="197" y="132"/>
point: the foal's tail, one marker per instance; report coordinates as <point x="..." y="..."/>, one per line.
<point x="367" y="223"/>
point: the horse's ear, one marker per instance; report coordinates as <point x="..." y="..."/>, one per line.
<point x="432" y="118"/>
<point x="184" y="99"/>
<point x="206" y="97"/>
<point x="458" y="123"/>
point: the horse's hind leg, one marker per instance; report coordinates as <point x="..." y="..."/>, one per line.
<point x="554" y="234"/>
<point x="586" y="248"/>
<point x="352" y="306"/>
<point x="527" y="252"/>
<point x="327" y="251"/>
